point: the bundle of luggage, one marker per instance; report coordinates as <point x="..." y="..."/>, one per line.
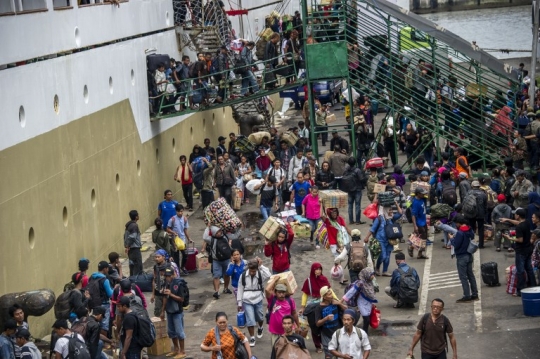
<point x="386" y="199"/>
<point x="334" y="198"/>
<point x="220" y="214"/>
<point x="271" y="228"/>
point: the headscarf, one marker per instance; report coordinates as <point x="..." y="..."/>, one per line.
<point x="534" y="198"/>
<point x="214" y="230"/>
<point x="316" y="282"/>
<point x="163" y="253"/>
<point x="366" y="284"/>
<point x="383" y="211"/>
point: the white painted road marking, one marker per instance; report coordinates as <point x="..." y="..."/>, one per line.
<point x="425" y="282"/>
<point x="206" y="310"/>
<point x="478" y="303"/>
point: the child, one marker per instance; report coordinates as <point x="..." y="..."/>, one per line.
<point x="371" y="182"/>
<point x="399" y="176"/>
<point x="312" y="211"/>
<point x="299" y="190"/>
<point x="235" y="269"/>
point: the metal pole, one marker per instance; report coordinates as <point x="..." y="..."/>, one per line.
<point x="536" y="20"/>
<point x="241" y="20"/>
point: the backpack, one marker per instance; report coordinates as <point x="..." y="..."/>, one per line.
<point x="283" y="348"/>
<point x="77" y="349"/>
<point x="408" y="286"/>
<point x="453" y="171"/>
<point x="348" y="181"/>
<point x="491" y="197"/>
<point x="259" y="279"/>
<point x="449" y="194"/>
<point x="62" y="306"/>
<point x="223" y="250"/>
<point x="68" y="287"/>
<point x="469" y="206"/>
<point x="184" y="292"/>
<point x="440" y="210"/>
<point x="273" y="303"/>
<point x="80" y="327"/>
<point x="309" y="313"/>
<point x="193" y="72"/>
<point x="353" y="301"/>
<point x="97" y="292"/>
<point x="240" y="66"/>
<point x="496" y="186"/>
<point x="260" y="46"/>
<point x="137" y="308"/>
<point x="357" y="257"/>
<point x="146" y="332"/>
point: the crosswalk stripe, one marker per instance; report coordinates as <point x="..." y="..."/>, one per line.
<point x="443" y="274"/>
<point x="445" y="286"/>
<point x="453" y="280"/>
<point x="442" y="279"/>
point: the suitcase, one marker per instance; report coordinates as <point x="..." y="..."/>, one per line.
<point x="490" y="274"/>
<point x="375" y="162"/>
<point x="153" y="61"/>
<point x="191" y="264"/>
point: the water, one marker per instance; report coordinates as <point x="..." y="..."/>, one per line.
<point x="501" y="28"/>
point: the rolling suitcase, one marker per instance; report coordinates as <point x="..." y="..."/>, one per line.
<point x="490" y="274"/>
<point x="191" y="263"/>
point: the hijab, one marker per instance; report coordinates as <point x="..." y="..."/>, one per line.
<point x="366" y="284"/>
<point x="316" y="282"/>
<point x="383" y="211"/>
<point x="534" y="198"/>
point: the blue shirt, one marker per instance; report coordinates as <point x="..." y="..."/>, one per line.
<point x="300" y="191"/>
<point x="235" y="271"/>
<point x="168" y="209"/>
<point x="6" y="348"/>
<point x="377" y="228"/>
<point x="178" y="225"/>
<point x="418" y="210"/>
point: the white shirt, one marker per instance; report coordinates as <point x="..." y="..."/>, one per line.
<point x="159" y="77"/>
<point x="350" y="345"/>
<point x="62" y="345"/>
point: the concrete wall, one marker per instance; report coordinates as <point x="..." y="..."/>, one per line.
<point x="426" y="6"/>
<point x="66" y="193"/>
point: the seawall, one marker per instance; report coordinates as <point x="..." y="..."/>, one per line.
<point x="430" y="6"/>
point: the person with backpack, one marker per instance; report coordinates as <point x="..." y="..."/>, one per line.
<point x="350" y="341"/>
<point x="178" y="227"/>
<point x="446" y="189"/>
<point x="176" y="298"/>
<point x="158" y="282"/>
<point x="289" y="344"/>
<point x="220" y="254"/>
<point x="447" y="225"/>
<point x="490" y="194"/>
<point x="28" y="349"/>
<point x="434" y="342"/>
<point x="130" y="331"/>
<point x="269" y="195"/>
<point x="280" y="304"/>
<point x="464" y="260"/>
<point x="353" y="182"/>
<point x="404" y="284"/>
<point x="100" y="290"/>
<point x="328" y="316"/>
<point x="92" y="334"/>
<point x="279" y="250"/>
<point x="133" y="244"/>
<point x="501" y="210"/>
<point x="69" y="345"/>
<point x="464" y="186"/>
<point x="250" y="297"/>
<point x="223" y="339"/>
<point x="73" y="302"/>
<point x="362" y="295"/>
<point x="386" y="218"/>
<point x="126" y="288"/>
<point x="474" y="208"/>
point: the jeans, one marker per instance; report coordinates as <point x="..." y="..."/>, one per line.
<point x="207" y="197"/>
<point x="384" y="258"/>
<point x="225" y="191"/>
<point x="313" y="223"/>
<point x="524" y="265"/>
<point x="353" y="276"/>
<point x="447" y="229"/>
<point x="248" y="83"/>
<point x="135" y="257"/>
<point x="99" y="353"/>
<point x="188" y="194"/>
<point x="466" y="276"/>
<point x="354" y="197"/>
<point x="478" y="223"/>
<point x="175" y="325"/>
<point x="265" y="211"/>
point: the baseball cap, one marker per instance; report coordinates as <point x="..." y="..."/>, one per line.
<point x="356" y="233"/>
<point x="221" y="138"/>
<point x="102" y="265"/>
<point x="501" y="198"/>
<point x="475" y="184"/>
<point x="520" y="173"/>
<point x="281" y="287"/>
<point x="168" y="272"/>
<point x="462" y="175"/>
<point x="22" y="333"/>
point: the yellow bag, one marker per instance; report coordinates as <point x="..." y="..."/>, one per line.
<point x="179" y="243"/>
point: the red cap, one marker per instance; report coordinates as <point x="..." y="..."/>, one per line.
<point x="501" y="198"/>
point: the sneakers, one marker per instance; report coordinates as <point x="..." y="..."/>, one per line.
<point x="184" y="271"/>
<point x="221" y="280"/>
<point x="260" y="332"/>
<point x="475" y="297"/>
<point x="318" y="246"/>
<point x="216" y="295"/>
<point x="252" y="342"/>
<point x="464" y="300"/>
<point x="227" y="291"/>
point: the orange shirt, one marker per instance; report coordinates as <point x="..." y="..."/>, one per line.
<point x="226" y="340"/>
<point x="458" y="166"/>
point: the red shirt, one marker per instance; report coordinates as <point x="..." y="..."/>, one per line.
<point x="280" y="252"/>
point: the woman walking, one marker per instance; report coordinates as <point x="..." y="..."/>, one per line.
<point x="312" y="211"/>
<point x="364" y="290"/>
<point x="221" y="340"/>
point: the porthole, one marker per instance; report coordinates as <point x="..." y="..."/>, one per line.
<point x="31" y="237"/>
<point x="65" y="216"/>
<point x="93" y="197"/>
<point x="56" y="104"/>
<point x="85" y="94"/>
<point x="22" y="117"/>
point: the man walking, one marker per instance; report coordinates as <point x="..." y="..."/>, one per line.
<point x="100" y="290"/>
<point x="353" y="182"/>
<point x="349" y="342"/>
<point x="476" y="220"/>
<point x="337" y="161"/>
<point x="464" y="262"/>
<point x="175" y="292"/>
<point x="250" y="297"/>
<point x="406" y="294"/>
<point x="130" y="346"/>
<point x="289" y="338"/>
<point x="133" y="244"/>
<point x="521" y="189"/>
<point x="178" y="226"/>
<point x="419" y="219"/>
<point x="280" y="304"/>
<point x="432" y="329"/>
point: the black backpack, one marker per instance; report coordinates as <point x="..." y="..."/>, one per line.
<point x="97" y="292"/>
<point x="193" y="72"/>
<point x="408" y="286"/>
<point x="348" y="181"/>
<point x="259" y="279"/>
<point x="449" y="194"/>
<point x="62" y="306"/>
<point x="469" y="206"/>
<point x="146" y="332"/>
<point x="240" y="66"/>
<point x="77" y="349"/>
<point x="223" y="250"/>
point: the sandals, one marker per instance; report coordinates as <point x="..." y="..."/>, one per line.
<point x="410" y="250"/>
<point x="171" y="354"/>
<point x="422" y="257"/>
<point x="498" y="249"/>
<point x="318" y="350"/>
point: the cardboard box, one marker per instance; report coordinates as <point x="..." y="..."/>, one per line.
<point x="237" y="195"/>
<point x="379" y="188"/>
<point x="202" y="262"/>
<point x="161" y="327"/>
<point x="331" y="118"/>
<point x="301" y="230"/>
<point x="216" y="195"/>
<point x="161" y="346"/>
<point x="287" y="278"/>
<point x="334" y="198"/>
<point x="271" y="228"/>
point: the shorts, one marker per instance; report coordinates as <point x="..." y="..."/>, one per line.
<point x="175" y="326"/>
<point x="220" y="268"/>
<point x="254" y="313"/>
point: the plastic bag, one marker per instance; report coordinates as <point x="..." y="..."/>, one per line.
<point x="374" y="317"/>
<point x="371" y="211"/>
<point x="336" y="272"/>
<point x="179" y="243"/>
